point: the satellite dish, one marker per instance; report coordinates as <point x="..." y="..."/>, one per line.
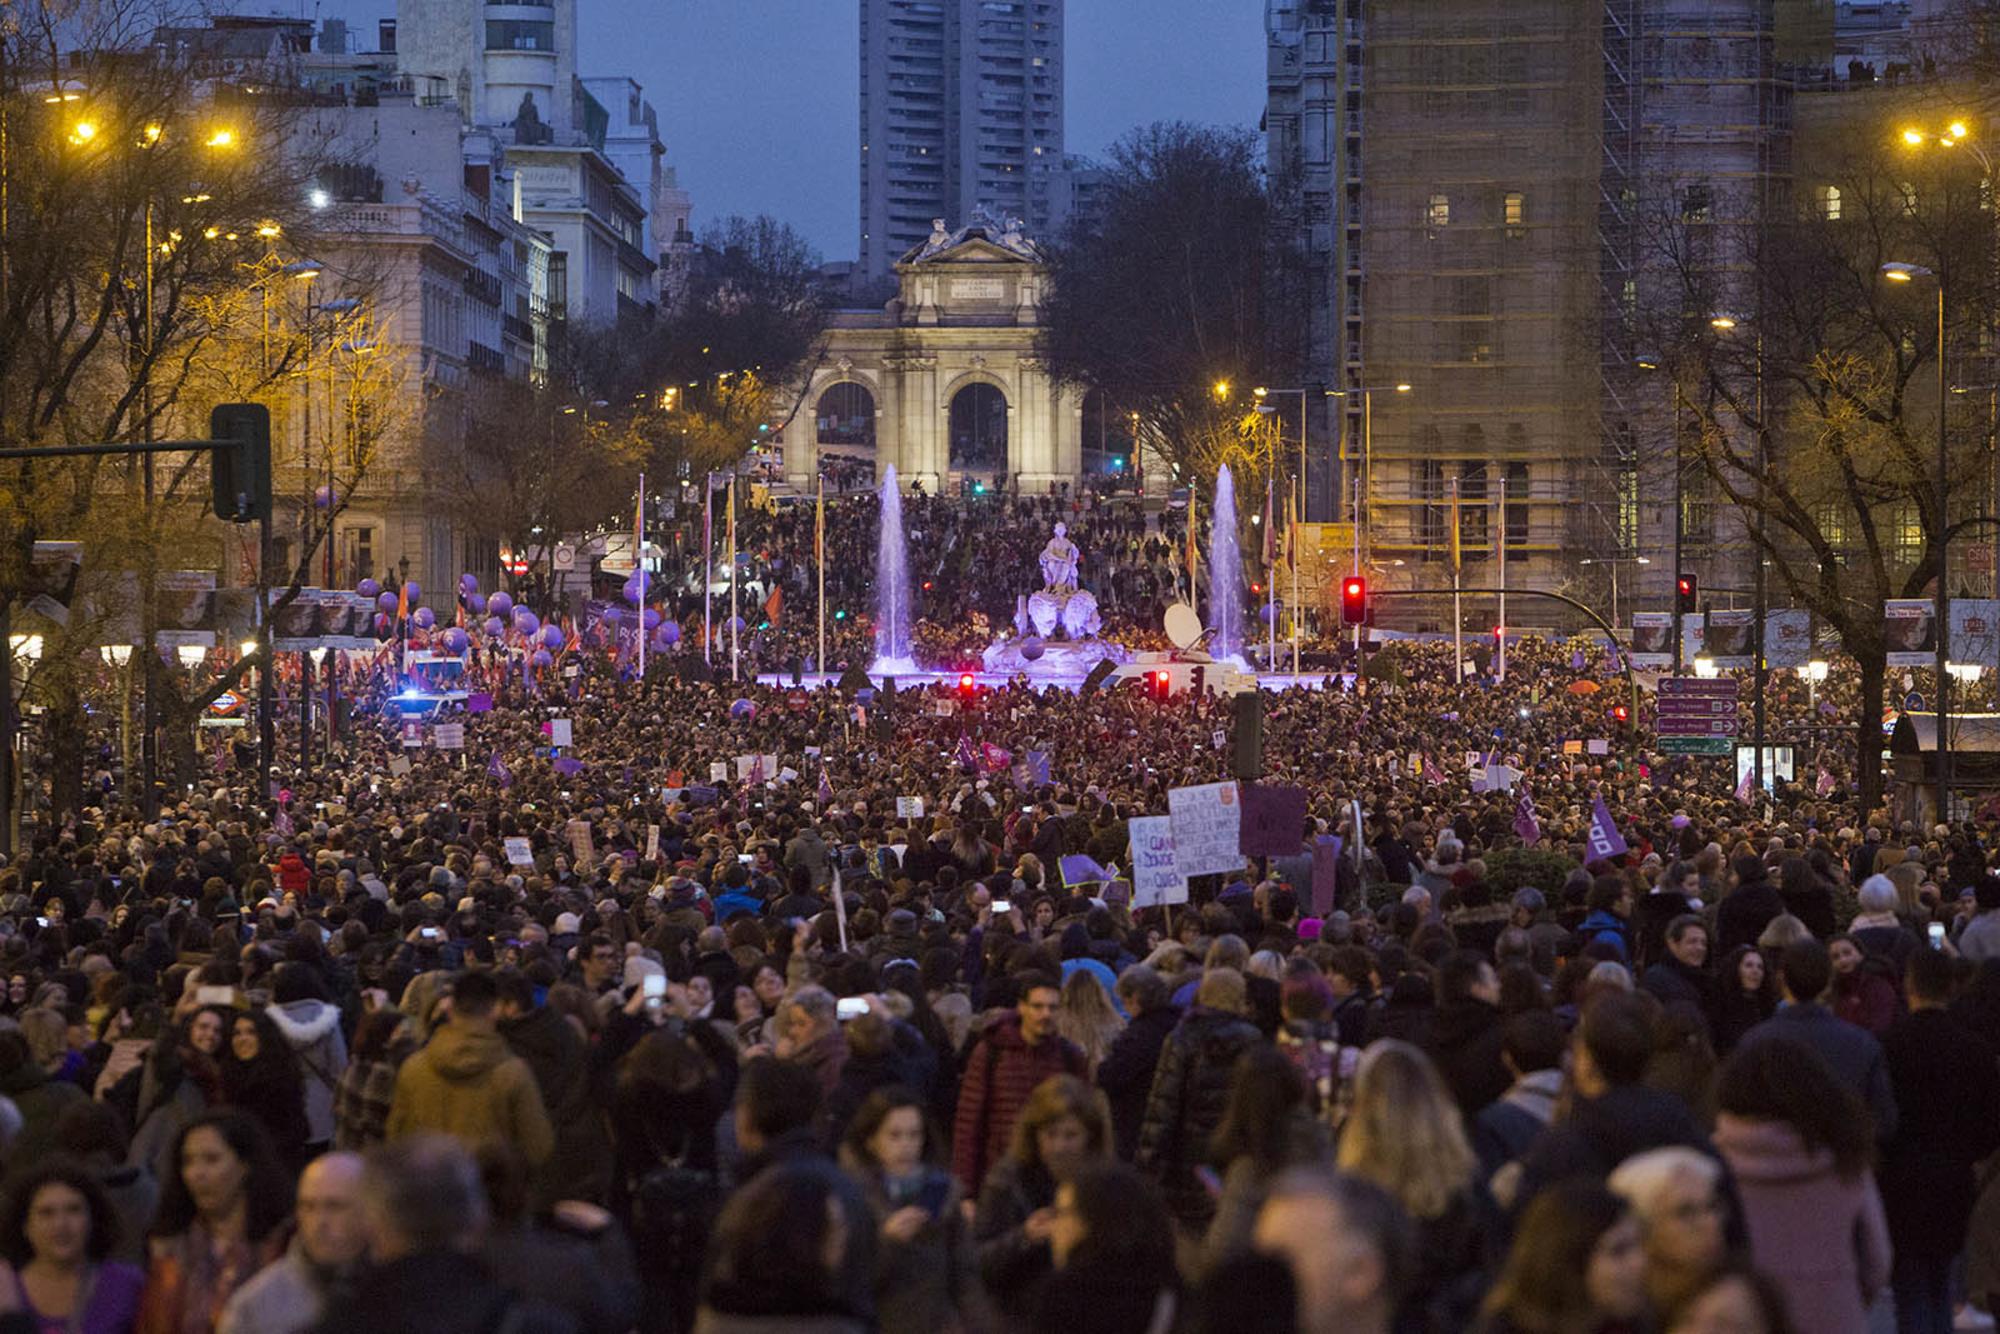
<point x="1183" y="626"/>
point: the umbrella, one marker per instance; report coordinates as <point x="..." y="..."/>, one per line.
<point x="1583" y="687"/>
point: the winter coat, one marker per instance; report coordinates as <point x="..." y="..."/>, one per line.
<point x="1651" y="915"/>
<point x="312" y="1031"/>
<point x="441" y="1293"/>
<point x="1854" y="1056"/>
<point x="1126" y="1072"/>
<point x="1866" y="999"/>
<point x="1190" y="1092"/>
<point x="1010" y="1262"/>
<point x="932" y="1280"/>
<point x="1464" y="1044"/>
<point x="1505" y="1130"/>
<point x="1744" y="914"/>
<point x="580" y="1168"/>
<point x="1602" y="925"/>
<point x="1820" y="1236"/>
<point x="361" y="1104"/>
<point x="999" y="1075"/>
<point x="1732" y="1013"/>
<point x="1672" y="982"/>
<point x="1604" y="1131"/>
<point x="466" y="1084"/>
<point x="41" y="1100"/>
<point x="1947" y="1083"/>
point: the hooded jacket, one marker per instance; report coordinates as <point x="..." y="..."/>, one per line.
<point x="466" y="1084"/>
<point x="1821" y="1236"/>
<point x="312" y="1031"/>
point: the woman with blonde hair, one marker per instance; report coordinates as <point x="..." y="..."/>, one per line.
<point x="1087" y="1017"/>
<point x="1405" y="1133"/>
<point x="1065" y="1126"/>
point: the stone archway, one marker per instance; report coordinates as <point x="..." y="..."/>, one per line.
<point x="844" y="416"/>
<point x="977" y="429"/>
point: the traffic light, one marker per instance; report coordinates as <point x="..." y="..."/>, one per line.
<point x="1160" y="684"/>
<point x="968" y="686"/>
<point x="1354" y="600"/>
<point x="1247" y="736"/>
<point x="1620" y="714"/>
<point x="240" y="463"/>
<point x="1687" y="594"/>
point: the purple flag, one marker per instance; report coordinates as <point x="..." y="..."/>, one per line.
<point x="479" y="703"/>
<point x="967" y="756"/>
<point x="1078" y="869"/>
<point x="1825" y="784"/>
<point x="1577" y="661"/>
<point x="825" y="789"/>
<point x="1526" y="826"/>
<point x="1606" y="843"/>
<point x="565" y="765"/>
<point x="496" y="769"/>
<point x="1743" y="788"/>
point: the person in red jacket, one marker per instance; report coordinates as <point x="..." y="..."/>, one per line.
<point x="1017" y="1052"/>
<point x="293" y="875"/>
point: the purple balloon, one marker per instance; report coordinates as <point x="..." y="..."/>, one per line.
<point x="475" y="603"/>
<point x="526" y="621"/>
<point x="552" y="636"/>
<point x="468" y="583"/>
<point x="670" y="631"/>
<point x="635" y="587"/>
<point x="323" y="497"/>
<point x="412" y="591"/>
<point x="456" y="640"/>
<point x="651" y="618"/>
<point x="542" y="658"/>
<point x="612" y="616"/>
<point x="743" y="709"/>
<point x="1269" y="612"/>
<point x="368" y="588"/>
<point x="495" y="627"/>
<point x="386" y="601"/>
<point x="424" y="618"/>
<point x="737" y="624"/>
<point x="1031" y="649"/>
<point x="500" y="604"/>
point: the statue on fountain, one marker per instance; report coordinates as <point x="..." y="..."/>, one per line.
<point x="1060" y="603"/>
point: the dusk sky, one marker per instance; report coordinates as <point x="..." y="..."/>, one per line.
<point x="760" y="106"/>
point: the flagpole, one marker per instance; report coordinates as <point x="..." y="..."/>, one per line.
<point x="1297" y="610"/>
<point x="1270" y="572"/>
<point x="707" y="563"/>
<point x="1501" y="647"/>
<point x="733" y="616"/>
<point x="819" y="560"/>
<point x="639" y="561"/>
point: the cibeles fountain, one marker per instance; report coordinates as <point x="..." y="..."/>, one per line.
<point x="1056" y="627"/>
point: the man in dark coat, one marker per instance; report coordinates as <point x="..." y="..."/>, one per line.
<point x="1191" y="1090"/>
<point x="1946" y="1079"/>
<point x="1126" y="1072"/>
<point x="1681" y="976"/>
<point x="1466" y="1038"/>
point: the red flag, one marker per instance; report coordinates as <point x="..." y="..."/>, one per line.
<point x="774" y="606"/>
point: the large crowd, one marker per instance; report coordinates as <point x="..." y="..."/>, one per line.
<point x="649" y="1031"/>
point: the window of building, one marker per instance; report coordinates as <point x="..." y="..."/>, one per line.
<point x="520" y="35"/>
<point x="1514" y="208"/>
<point x="1908" y="526"/>
<point x="1697" y="203"/>
<point x="360" y="552"/>
<point x="559" y="285"/>
<point x="1829" y="203"/>
<point x="1427" y="481"/>
<point x="1439" y="212"/>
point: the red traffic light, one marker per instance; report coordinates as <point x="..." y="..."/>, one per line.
<point x="1353" y="600"/>
<point x="1162" y="683"/>
<point x="1621" y="713"/>
<point x="966" y="681"/>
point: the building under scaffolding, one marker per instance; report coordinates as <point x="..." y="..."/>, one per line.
<point x="1484" y="186"/>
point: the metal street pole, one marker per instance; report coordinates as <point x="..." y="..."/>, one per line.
<point x="1680" y="507"/>
<point x="1757" y="633"/>
<point x="1942" y="611"/>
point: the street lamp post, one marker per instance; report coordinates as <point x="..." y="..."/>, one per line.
<point x="1612" y="563"/>
<point x="1941" y="606"/>
<point x="1725" y="324"/>
<point x="1298" y="508"/>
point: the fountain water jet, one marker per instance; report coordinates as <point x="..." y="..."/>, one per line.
<point x="1225" y="573"/>
<point x="892" y="587"/>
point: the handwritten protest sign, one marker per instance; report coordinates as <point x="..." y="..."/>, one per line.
<point x="1207" y="825"/>
<point x="1155" y="877"/>
<point x="519" y="852"/>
